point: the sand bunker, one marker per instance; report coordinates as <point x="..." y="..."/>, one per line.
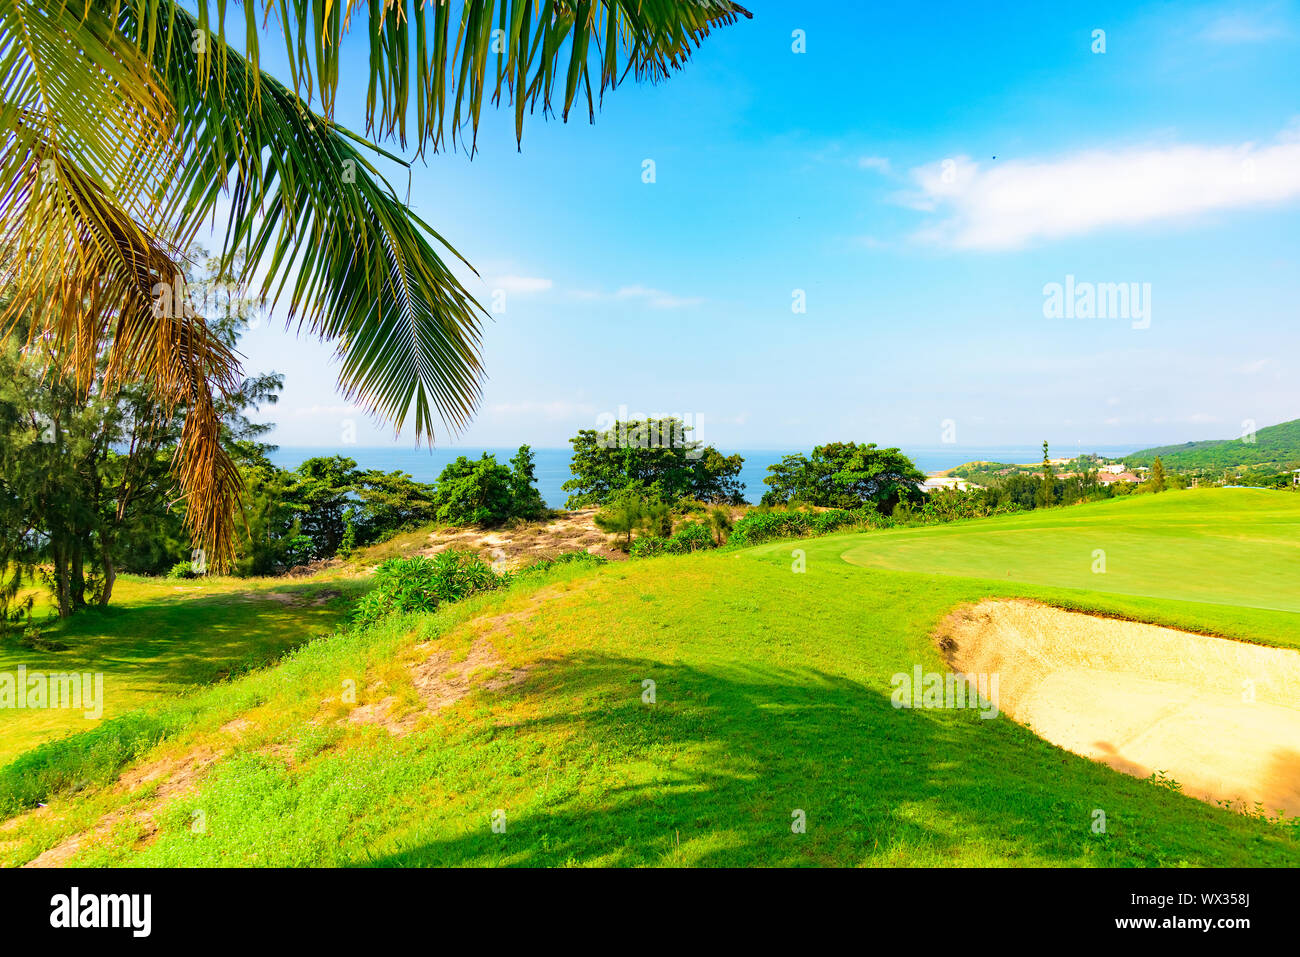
<point x="1220" y="717"/>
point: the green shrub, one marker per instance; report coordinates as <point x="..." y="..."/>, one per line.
<point x="632" y="512"/>
<point x="691" y="537"/>
<point x="763" y="525"/>
<point x="181" y="570"/>
<point x="648" y="546"/>
<point x="540" y="565"/>
<point x="421" y="584"/>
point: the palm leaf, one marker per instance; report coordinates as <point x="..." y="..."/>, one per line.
<point x="148" y="122"/>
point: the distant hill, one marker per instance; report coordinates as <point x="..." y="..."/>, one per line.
<point x="1275" y="445"/>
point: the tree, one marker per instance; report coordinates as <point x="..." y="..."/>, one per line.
<point x="130" y="125"/>
<point x="627" y="512"/>
<point x="525" y="499"/>
<point x="844" y="475"/>
<point x="387" y="502"/>
<point x="484" y="492"/>
<point x="656" y="458"/>
<point x="85" y="480"/>
<point x="1047" y="490"/>
<point x="321" y="495"/>
<point x="1156" y="482"/>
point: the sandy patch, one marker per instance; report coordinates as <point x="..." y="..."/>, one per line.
<point x="176" y="776"/>
<point x="440" y="683"/>
<point x="1220" y="717"/>
<point x="574" y="531"/>
<point x="284" y="598"/>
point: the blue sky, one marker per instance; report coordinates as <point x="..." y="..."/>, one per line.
<point x="862" y="172"/>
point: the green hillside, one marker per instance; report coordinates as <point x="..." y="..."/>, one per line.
<point x="1276" y="445"/>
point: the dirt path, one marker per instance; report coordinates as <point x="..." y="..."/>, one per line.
<point x="1220" y="717"/>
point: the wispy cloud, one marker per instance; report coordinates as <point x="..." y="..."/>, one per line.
<point x="1254" y="368"/>
<point x="657" y="297"/>
<point x="1259" y="26"/>
<point x="1009" y="204"/>
<point x="522" y="284"/>
<point x="878" y="163"/>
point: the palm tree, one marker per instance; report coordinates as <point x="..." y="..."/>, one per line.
<point x="130" y="126"/>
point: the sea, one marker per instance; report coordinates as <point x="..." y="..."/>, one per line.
<point x="426" y="464"/>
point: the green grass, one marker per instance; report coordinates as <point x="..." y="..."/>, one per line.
<point x="1227" y="546"/>
<point x="159" y="636"/>
<point x="772" y="695"/>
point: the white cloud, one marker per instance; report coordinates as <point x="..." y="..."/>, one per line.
<point x="878" y="163"/>
<point x="522" y="284"/>
<point x="1007" y="205"/>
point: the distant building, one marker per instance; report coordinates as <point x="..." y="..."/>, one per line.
<point x="933" y="482"/>
<point x="1113" y="469"/>
<point x="1110" y="478"/>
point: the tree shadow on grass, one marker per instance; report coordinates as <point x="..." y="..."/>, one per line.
<point x="173" y="640"/>
<point x="717" y="770"/>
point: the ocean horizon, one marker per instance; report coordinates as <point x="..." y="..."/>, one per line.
<point x="425" y="464"/>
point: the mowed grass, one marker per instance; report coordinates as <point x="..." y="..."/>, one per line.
<point x="771" y="692"/>
<point x="160" y="636"/>
<point x="1237" y="547"/>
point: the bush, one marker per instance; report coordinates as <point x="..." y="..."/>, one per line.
<point x="691" y="537"/>
<point x="540" y="565"/>
<point x="421" y="584"/>
<point x="631" y="512"/>
<point x="181" y="570"/>
<point x="764" y="525"/>
<point x="647" y="546"/>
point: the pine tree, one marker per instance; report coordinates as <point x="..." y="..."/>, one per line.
<point x="1157" y="480"/>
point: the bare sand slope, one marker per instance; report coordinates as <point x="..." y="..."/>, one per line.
<point x="1220" y="717"/>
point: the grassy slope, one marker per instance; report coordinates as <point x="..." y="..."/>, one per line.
<point x="772" y="695"/>
<point x="160" y="636"/>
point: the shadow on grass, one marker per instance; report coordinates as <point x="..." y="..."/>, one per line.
<point x="180" y="640"/>
<point x="716" y="770"/>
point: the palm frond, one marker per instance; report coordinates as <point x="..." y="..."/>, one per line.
<point x="535" y="52"/>
<point x="310" y="209"/>
<point x="127" y="122"/>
